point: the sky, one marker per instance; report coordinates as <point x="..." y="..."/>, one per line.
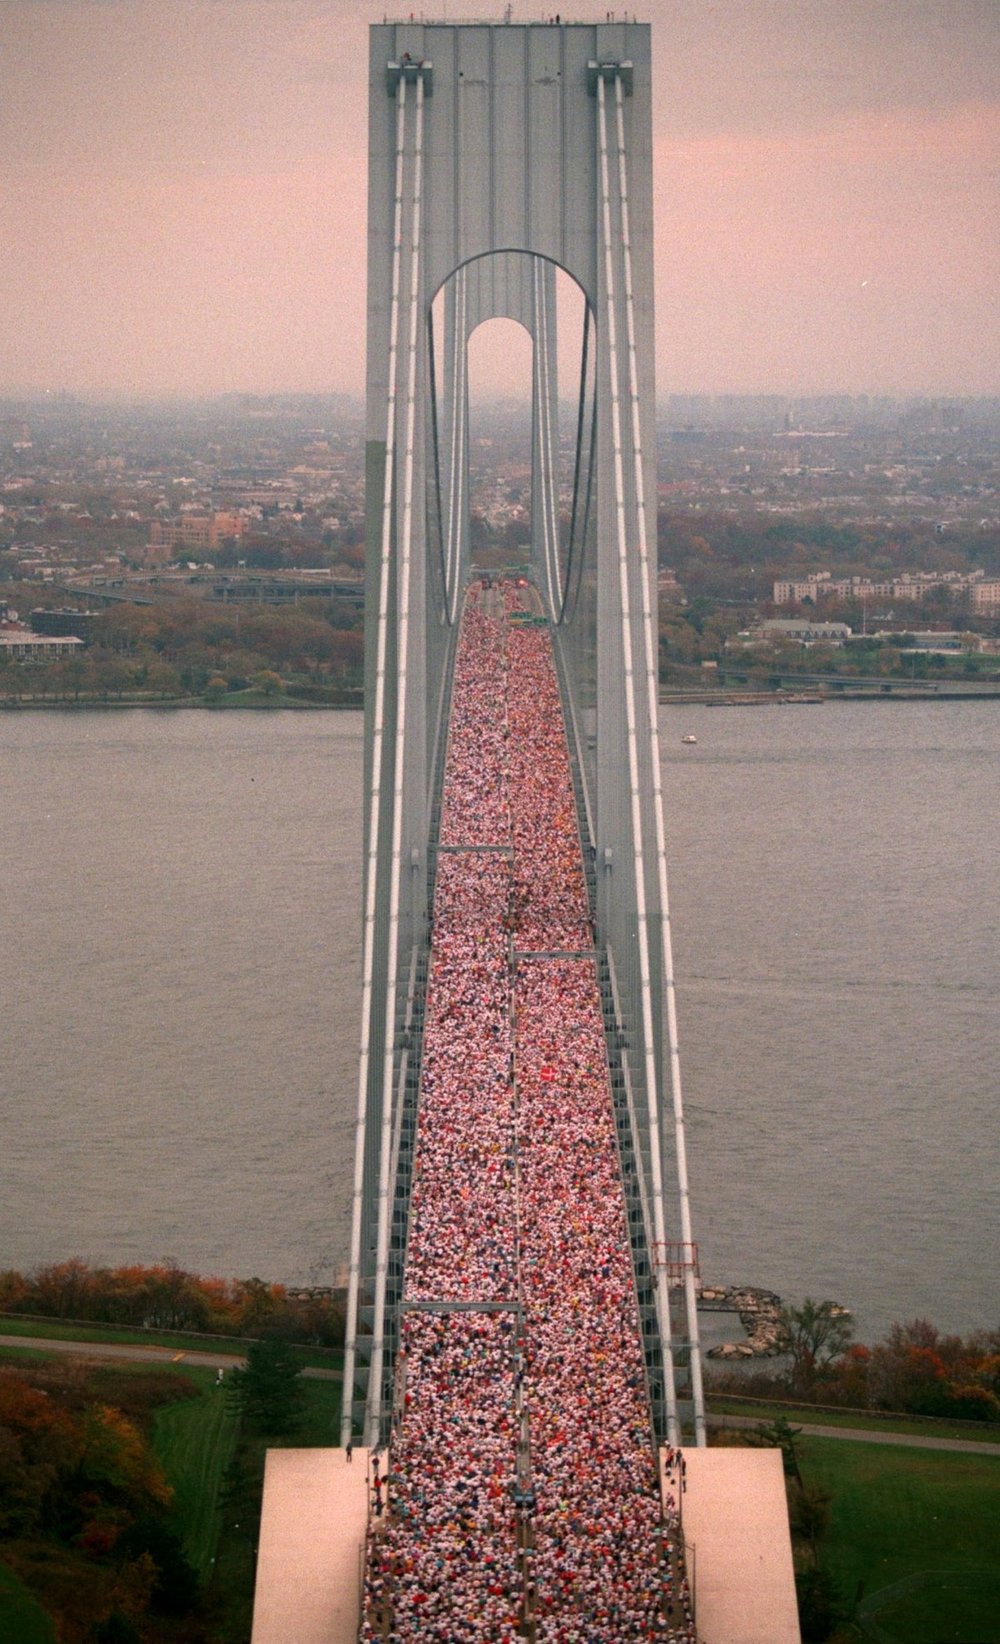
<point x="182" y="194"/>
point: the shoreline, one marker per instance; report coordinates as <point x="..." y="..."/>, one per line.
<point x="667" y="699"/>
<point x="174" y="704"/>
<point x="816" y="696"/>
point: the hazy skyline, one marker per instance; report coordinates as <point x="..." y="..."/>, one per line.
<point x="182" y="194"/>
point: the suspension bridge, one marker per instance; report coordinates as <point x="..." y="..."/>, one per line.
<point x="522" y="1364"/>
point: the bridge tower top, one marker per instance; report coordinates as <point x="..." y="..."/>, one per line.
<point x="511" y="153"/>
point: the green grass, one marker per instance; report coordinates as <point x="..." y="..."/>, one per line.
<point x="320" y="1358"/>
<point x="321" y="1424"/>
<point x="940" y="1609"/>
<point x="250" y="698"/>
<point x="924" y="1519"/>
<point x="22" y="1620"/>
<point x="194" y="1441"/>
<point x="230" y="1595"/>
<point x="26" y="1355"/>
<point x="864" y="1421"/>
<point x="181" y="1341"/>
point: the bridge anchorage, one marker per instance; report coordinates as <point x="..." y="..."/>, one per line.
<point x="522" y="1325"/>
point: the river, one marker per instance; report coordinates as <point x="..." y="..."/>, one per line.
<point x="179" y="987"/>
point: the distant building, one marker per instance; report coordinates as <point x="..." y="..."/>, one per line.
<point x="191" y="532"/>
<point x="939" y="641"/>
<point x="806" y="632"/>
<point x="986" y="598"/>
<point x="63" y="621"/>
<point x="21" y="645"/>
<point x="792" y="591"/>
<point x="910" y="585"/>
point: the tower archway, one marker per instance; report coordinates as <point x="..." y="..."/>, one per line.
<point x="554" y="311"/>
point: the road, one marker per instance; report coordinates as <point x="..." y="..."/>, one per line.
<point x="137" y="1354"/>
<point x="864" y="1435"/>
<point x="170" y="1355"/>
<point x="134" y="1353"/>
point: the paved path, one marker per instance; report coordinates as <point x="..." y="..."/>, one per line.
<point x="138" y="1354"/>
<point x="864" y="1435"/>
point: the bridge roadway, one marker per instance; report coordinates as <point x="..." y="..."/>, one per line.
<point x="520" y="1497"/>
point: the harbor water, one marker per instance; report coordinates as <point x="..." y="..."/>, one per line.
<point x="179" y="994"/>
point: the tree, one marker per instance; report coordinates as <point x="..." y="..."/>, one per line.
<point x="163" y="680"/>
<point x="175" y="1581"/>
<point x="781" y="1435"/>
<point x="819" y="1604"/>
<point x="111" y="674"/>
<point x="267" y="1390"/>
<point x="62" y="1289"/>
<point x="118" y="1460"/>
<point x="118" y="1629"/>
<point x="75" y="674"/>
<point x="268" y="681"/>
<point x="809" y="1513"/>
<point x="257" y="1303"/>
<point x="812" y="1336"/>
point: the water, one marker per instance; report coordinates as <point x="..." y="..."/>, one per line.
<point x="179" y="990"/>
<point x="835" y="903"/>
<point x="179" y="987"/>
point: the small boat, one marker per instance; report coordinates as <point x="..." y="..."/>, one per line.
<point x="689" y="739"/>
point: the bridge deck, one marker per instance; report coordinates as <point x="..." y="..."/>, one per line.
<point x="522" y="1496"/>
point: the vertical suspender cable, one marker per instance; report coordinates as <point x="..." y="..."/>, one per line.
<point x="551" y="399"/>
<point x="462" y="452"/>
<point x="374" y="816"/>
<point x="542" y="386"/>
<point x="650" y="659"/>
<point x="565" y="606"/>
<point x="459" y="417"/>
<point x="402" y="655"/>
<point x="649" y="1043"/>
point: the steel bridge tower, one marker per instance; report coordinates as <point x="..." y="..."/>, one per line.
<point x="500" y="154"/>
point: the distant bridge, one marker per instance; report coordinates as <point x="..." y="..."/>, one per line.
<point x="844" y="684"/>
<point x="231" y="588"/>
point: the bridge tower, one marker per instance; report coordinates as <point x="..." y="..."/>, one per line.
<point x="499" y="155"/>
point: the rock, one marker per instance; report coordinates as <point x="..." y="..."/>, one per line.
<point x="760" y="1316"/>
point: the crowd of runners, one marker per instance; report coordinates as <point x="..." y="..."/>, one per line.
<point x="522" y="1498"/>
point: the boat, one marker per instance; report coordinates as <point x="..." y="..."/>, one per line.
<point x="689" y="739"/>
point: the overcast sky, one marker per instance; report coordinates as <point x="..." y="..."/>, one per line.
<point x="182" y="194"/>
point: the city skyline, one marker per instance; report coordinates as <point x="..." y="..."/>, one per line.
<point x="183" y="196"/>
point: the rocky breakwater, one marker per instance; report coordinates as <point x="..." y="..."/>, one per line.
<point x="759" y="1313"/>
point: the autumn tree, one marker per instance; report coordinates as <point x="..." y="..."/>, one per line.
<point x="813" y="1336"/>
<point x="918" y="1369"/>
<point x="163" y="679"/>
